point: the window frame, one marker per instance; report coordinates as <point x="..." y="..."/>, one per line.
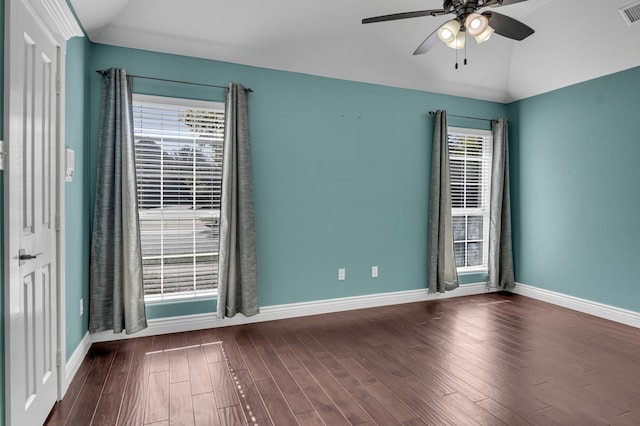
<point x="186" y="103"/>
<point x="484" y="212"/>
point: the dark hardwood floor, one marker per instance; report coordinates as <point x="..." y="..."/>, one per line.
<point x="493" y="359"/>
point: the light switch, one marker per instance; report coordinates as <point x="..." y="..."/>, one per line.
<point x="69" y="165"/>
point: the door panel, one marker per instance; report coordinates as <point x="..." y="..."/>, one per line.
<point x="31" y="125"/>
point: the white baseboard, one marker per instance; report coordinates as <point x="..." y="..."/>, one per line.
<point x="76" y="359"/>
<point x="293" y="310"/>
<point x="581" y="305"/>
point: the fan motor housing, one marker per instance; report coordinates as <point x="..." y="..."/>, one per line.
<point x="460" y="8"/>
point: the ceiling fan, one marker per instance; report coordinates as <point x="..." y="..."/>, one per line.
<point x="467" y="21"/>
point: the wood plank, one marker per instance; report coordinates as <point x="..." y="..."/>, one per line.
<point x="464" y="410"/>
<point x="252" y="358"/>
<point x="180" y="404"/>
<point x="223" y="387"/>
<point x="504" y="414"/>
<point x="192" y="338"/>
<point x="378" y="412"/>
<point x="310" y="419"/>
<point x="198" y="371"/>
<point x="109" y="406"/>
<point x="135" y="391"/>
<point x="62" y="409"/>
<point x="231" y="416"/>
<point x="159" y="361"/>
<point x="251" y="401"/>
<point x="295" y="397"/>
<point x="324" y="406"/>
<point x="213" y="352"/>
<point x="178" y="366"/>
<point x="135" y="395"/>
<point x="277" y="406"/>
<point x="209" y="335"/>
<point x="230" y="349"/>
<point x="342" y="399"/>
<point x="87" y="402"/>
<point x="205" y="410"/>
<point x="414" y="422"/>
<point x="157" y="405"/>
<point x="577" y="401"/>
<point x="394" y="406"/>
<point x="630" y="418"/>
<point x="360" y="373"/>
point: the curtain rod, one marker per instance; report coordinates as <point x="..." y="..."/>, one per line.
<point x="103" y="72"/>
<point x="464" y="116"/>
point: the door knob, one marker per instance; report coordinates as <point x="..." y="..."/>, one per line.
<point x="22" y="255"/>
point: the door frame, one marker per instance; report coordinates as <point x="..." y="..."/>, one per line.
<point x="61" y="23"/>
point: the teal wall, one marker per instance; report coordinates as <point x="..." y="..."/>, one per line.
<point x="77" y="203"/>
<point x="575" y="190"/>
<point x="340" y="172"/>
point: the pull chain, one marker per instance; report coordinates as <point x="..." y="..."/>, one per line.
<point x="465" y="48"/>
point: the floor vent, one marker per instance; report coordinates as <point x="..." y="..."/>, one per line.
<point x="631" y="13"/>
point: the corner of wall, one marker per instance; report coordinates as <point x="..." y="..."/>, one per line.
<point x="597" y="309"/>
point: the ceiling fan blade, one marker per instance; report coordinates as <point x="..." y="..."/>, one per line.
<point x="428" y="43"/>
<point x="497" y="3"/>
<point x="508" y="2"/>
<point x="508" y="27"/>
<point x="405" y="15"/>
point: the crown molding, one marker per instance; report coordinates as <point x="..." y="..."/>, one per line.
<point x="58" y="17"/>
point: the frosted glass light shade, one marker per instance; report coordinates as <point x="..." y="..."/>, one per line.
<point x="485" y="35"/>
<point x="449" y="31"/>
<point x="476" y="24"/>
<point x="458" y="43"/>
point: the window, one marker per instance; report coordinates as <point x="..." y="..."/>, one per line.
<point x="470" y="160"/>
<point x="178" y="148"/>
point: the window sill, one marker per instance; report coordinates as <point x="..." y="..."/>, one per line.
<point x="181" y="307"/>
<point x="158" y="300"/>
<point x="473" y="277"/>
<point x="473" y="271"/>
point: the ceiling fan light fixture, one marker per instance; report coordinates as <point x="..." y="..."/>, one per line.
<point x="476" y="24"/>
<point x="449" y="31"/>
<point x="485" y="35"/>
<point x="458" y="42"/>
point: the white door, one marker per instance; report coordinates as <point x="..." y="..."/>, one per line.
<point x="31" y="123"/>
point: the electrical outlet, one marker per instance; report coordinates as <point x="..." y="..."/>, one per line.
<point x="374" y="272"/>
<point x="81" y="307"/>
<point x="341" y="274"/>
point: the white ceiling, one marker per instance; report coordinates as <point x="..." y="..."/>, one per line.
<point x="575" y="40"/>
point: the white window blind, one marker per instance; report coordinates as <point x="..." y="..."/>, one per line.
<point x="178" y="147"/>
<point x="470" y="161"/>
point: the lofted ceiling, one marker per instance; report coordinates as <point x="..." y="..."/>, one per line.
<point x="575" y="40"/>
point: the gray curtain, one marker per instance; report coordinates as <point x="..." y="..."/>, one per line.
<point x="237" y="274"/>
<point x="443" y="275"/>
<point x="116" y="291"/>
<point x="501" y="274"/>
